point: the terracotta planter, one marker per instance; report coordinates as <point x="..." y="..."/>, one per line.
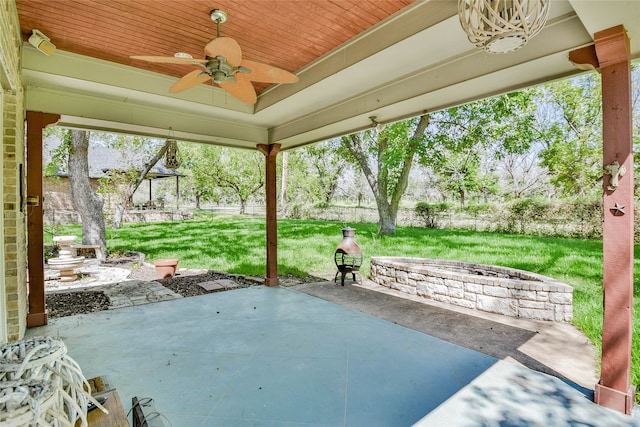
<point x="166" y="267"/>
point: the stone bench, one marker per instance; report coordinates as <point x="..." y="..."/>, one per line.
<point x="84" y="250"/>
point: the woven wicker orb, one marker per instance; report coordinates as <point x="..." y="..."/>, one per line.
<point x="501" y="26"/>
<point x="44" y="359"/>
<point x="28" y="402"/>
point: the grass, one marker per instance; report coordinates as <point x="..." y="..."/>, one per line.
<point x="236" y="244"/>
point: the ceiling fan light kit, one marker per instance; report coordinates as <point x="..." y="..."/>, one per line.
<point x="501" y="26"/>
<point x="224" y="65"/>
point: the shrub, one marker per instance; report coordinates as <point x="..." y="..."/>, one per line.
<point x="525" y="212"/>
<point x="562" y="218"/>
<point x="477" y="210"/>
<point x="430" y="213"/>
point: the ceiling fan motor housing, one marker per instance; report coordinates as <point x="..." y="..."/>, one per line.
<point x="220" y="70"/>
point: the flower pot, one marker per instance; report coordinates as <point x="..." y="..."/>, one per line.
<point x="166" y="267"/>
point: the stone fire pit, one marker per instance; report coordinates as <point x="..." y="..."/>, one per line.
<point x="488" y="288"/>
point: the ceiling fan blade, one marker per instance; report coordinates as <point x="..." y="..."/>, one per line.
<point x="241" y="89"/>
<point x="170" y="59"/>
<point x="266" y="73"/>
<point x="190" y="80"/>
<point x="225" y="47"/>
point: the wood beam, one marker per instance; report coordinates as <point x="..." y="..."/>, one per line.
<point x="270" y="153"/>
<point x="36" y="122"/>
<point x="611" y="56"/>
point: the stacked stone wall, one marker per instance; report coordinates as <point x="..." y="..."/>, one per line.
<point x="510" y="292"/>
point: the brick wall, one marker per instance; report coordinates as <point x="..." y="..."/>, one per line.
<point x="13" y="218"/>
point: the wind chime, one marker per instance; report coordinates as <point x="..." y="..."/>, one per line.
<point x="172" y="158"/>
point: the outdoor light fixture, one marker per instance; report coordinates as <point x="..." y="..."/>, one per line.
<point x="41" y="42"/>
<point x="501" y="26"/>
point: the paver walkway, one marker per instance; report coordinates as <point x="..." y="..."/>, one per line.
<point x="136" y="292"/>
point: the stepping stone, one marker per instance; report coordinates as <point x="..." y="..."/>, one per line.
<point x="216" y="285"/>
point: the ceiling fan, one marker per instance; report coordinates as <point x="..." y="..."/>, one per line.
<point x="223" y="64"/>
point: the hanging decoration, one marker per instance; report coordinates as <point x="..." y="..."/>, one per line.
<point x="501" y="26"/>
<point x="172" y="158"/>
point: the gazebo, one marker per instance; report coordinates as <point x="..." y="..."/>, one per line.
<point x="358" y="63"/>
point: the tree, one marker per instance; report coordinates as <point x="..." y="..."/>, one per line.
<point x="458" y="172"/>
<point x="197" y="182"/>
<point x="573" y="134"/>
<point x="522" y="175"/>
<point x="328" y="165"/>
<point x="463" y="142"/>
<point x="122" y="184"/>
<point x="314" y="172"/>
<point x="86" y="201"/>
<point x="385" y="158"/>
<point x="299" y="186"/>
<point x="237" y="172"/>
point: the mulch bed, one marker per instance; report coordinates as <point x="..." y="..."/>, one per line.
<point x="187" y="285"/>
<point x="62" y="304"/>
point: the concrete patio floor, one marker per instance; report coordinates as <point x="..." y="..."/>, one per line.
<point x="283" y="357"/>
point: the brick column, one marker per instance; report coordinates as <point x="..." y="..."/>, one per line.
<point x="36" y="122"/>
<point x="270" y="153"/>
<point x="610" y="55"/>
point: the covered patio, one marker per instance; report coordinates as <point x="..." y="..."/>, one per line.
<point x="323" y="355"/>
<point x="359" y="64"/>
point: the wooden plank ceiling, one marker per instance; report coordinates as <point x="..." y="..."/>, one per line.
<point x="287" y="34"/>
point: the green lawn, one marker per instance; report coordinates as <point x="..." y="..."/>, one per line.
<point x="236" y="244"/>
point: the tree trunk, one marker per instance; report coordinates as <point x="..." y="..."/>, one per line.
<point x="118" y="213"/>
<point x="285" y="173"/>
<point x="86" y="202"/>
<point x="133" y="186"/>
<point x="387" y="219"/>
<point x="243" y="206"/>
<point x="389" y="213"/>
